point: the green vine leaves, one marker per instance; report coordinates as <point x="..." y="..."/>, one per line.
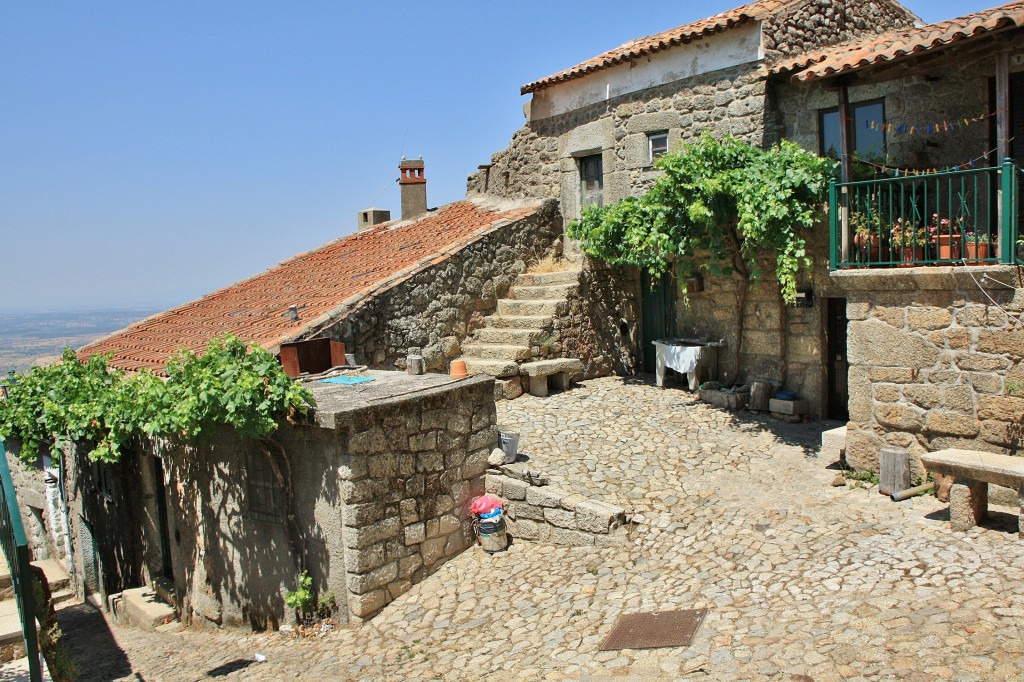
<point x="89" y="402"/>
<point x="721" y="205"/>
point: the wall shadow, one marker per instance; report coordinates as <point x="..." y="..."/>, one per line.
<point x="90" y="643"/>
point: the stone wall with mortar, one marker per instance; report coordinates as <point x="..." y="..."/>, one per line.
<point x="802" y="27"/>
<point x="547" y="514"/>
<point x="601" y="325"/>
<point x="441" y="305"/>
<point x="712" y="314"/>
<point x="40" y="504"/>
<point x="541" y="160"/>
<point x="936" y="361"/>
<point x="957" y="89"/>
<point x="381" y="494"/>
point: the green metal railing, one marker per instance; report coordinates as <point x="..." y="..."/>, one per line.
<point x="15" y="545"/>
<point x="954" y="217"/>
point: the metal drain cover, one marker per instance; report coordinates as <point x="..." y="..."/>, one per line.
<point x="654" y="630"/>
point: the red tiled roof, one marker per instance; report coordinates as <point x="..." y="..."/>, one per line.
<point x="319" y="281"/>
<point x="896" y="45"/>
<point x="754" y="11"/>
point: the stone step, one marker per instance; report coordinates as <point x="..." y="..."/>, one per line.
<point x="834" y="440"/>
<point x="531" y="307"/>
<point x="140" y="607"/>
<point x="512" y="336"/>
<point x="494" y="368"/>
<point x="530" y="279"/>
<point x="496" y="351"/>
<point x="519" y="322"/>
<point x="12" y="643"/>
<point x="543" y="292"/>
<point x="57" y="578"/>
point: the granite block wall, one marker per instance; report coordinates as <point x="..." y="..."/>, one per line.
<point x="936" y="361"/>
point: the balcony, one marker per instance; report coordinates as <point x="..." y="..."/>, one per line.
<point x="957" y="217"/>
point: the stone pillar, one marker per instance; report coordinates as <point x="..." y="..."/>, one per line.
<point x="968" y="503"/>
<point x="539" y="386"/>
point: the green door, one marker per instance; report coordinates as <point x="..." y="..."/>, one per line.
<point x="656" y="311"/>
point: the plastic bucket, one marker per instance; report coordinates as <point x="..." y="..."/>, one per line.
<point x="508" y="441"/>
<point x="493" y="537"/>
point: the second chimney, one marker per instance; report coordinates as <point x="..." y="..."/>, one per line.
<point x="369" y="217"/>
<point x="414" y="187"/>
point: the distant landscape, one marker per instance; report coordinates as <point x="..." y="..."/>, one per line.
<point x="39" y="338"/>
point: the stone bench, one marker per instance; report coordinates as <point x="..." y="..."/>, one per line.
<point x="973" y="471"/>
<point x="560" y="371"/>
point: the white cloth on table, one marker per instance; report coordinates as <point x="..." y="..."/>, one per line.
<point x="682" y="359"/>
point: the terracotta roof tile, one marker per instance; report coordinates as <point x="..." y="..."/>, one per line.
<point x="754" y="11"/>
<point x="319" y="281"/>
<point x="896" y="45"/>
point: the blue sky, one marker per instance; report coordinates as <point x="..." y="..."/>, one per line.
<point x="151" y="153"/>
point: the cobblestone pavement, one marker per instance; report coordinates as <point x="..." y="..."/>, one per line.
<point x="802" y="581"/>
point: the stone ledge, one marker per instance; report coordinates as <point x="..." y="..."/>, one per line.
<point x="925" y="278"/>
<point x="555" y="516"/>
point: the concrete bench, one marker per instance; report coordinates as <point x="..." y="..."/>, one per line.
<point x="559" y="370"/>
<point x="972" y="471"/>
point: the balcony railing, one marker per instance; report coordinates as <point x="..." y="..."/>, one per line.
<point x="949" y="218"/>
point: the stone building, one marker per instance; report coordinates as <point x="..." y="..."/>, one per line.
<point x="934" y="343"/>
<point x="594" y="130"/>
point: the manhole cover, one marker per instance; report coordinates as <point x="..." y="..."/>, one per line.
<point x="654" y="630"/>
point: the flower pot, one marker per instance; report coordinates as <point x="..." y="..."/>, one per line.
<point x="949" y="246"/>
<point x="975" y="251"/>
<point x="867" y="248"/>
<point x="457" y="370"/>
<point x="909" y="254"/>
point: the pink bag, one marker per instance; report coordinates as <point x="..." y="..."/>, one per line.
<point x="484" y="504"/>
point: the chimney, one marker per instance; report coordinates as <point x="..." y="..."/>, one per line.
<point x="414" y="187"/>
<point x="369" y="217"/>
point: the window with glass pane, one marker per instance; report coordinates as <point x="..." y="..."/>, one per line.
<point x="657" y="145"/>
<point x="592" y="180"/>
<point x="868" y="141"/>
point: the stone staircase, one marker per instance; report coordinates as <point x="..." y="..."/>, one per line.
<point x="517" y="345"/>
<point x="12" y="643"/>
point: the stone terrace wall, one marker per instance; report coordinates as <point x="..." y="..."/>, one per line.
<point x="818" y="23"/>
<point x="934" y="361"/>
<point x="40" y="505"/>
<point x="438" y="307"/>
<point x="601" y="325"/>
<point x="414" y="466"/>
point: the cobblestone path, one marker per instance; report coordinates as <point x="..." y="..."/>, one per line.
<point x="802" y="581"/>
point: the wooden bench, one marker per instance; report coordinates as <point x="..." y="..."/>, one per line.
<point x="972" y="471"/>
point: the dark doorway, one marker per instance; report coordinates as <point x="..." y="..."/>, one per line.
<point x="656" y="309"/>
<point x="167" y="568"/>
<point x="837" y="367"/>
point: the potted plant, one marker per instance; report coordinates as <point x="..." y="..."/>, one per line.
<point x="908" y="240"/>
<point x="866" y="231"/>
<point x="976" y="247"/>
<point x="946" y="235"/>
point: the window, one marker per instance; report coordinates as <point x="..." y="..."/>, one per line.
<point x="868" y="141"/>
<point x="104" y="484"/>
<point x="591" y="180"/>
<point x="657" y="145"/>
<point x="265" y="498"/>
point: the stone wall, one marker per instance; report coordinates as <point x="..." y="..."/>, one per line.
<point x="601" y="325"/>
<point x="936" y="360"/>
<point x="956" y="90"/>
<point x="380" y="489"/>
<point x="546" y="514"/>
<point x="541" y="160"/>
<point x="711" y="314"/>
<point x="817" y="23"/>
<point x="41" y="506"/>
<point x="439" y="306"/>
